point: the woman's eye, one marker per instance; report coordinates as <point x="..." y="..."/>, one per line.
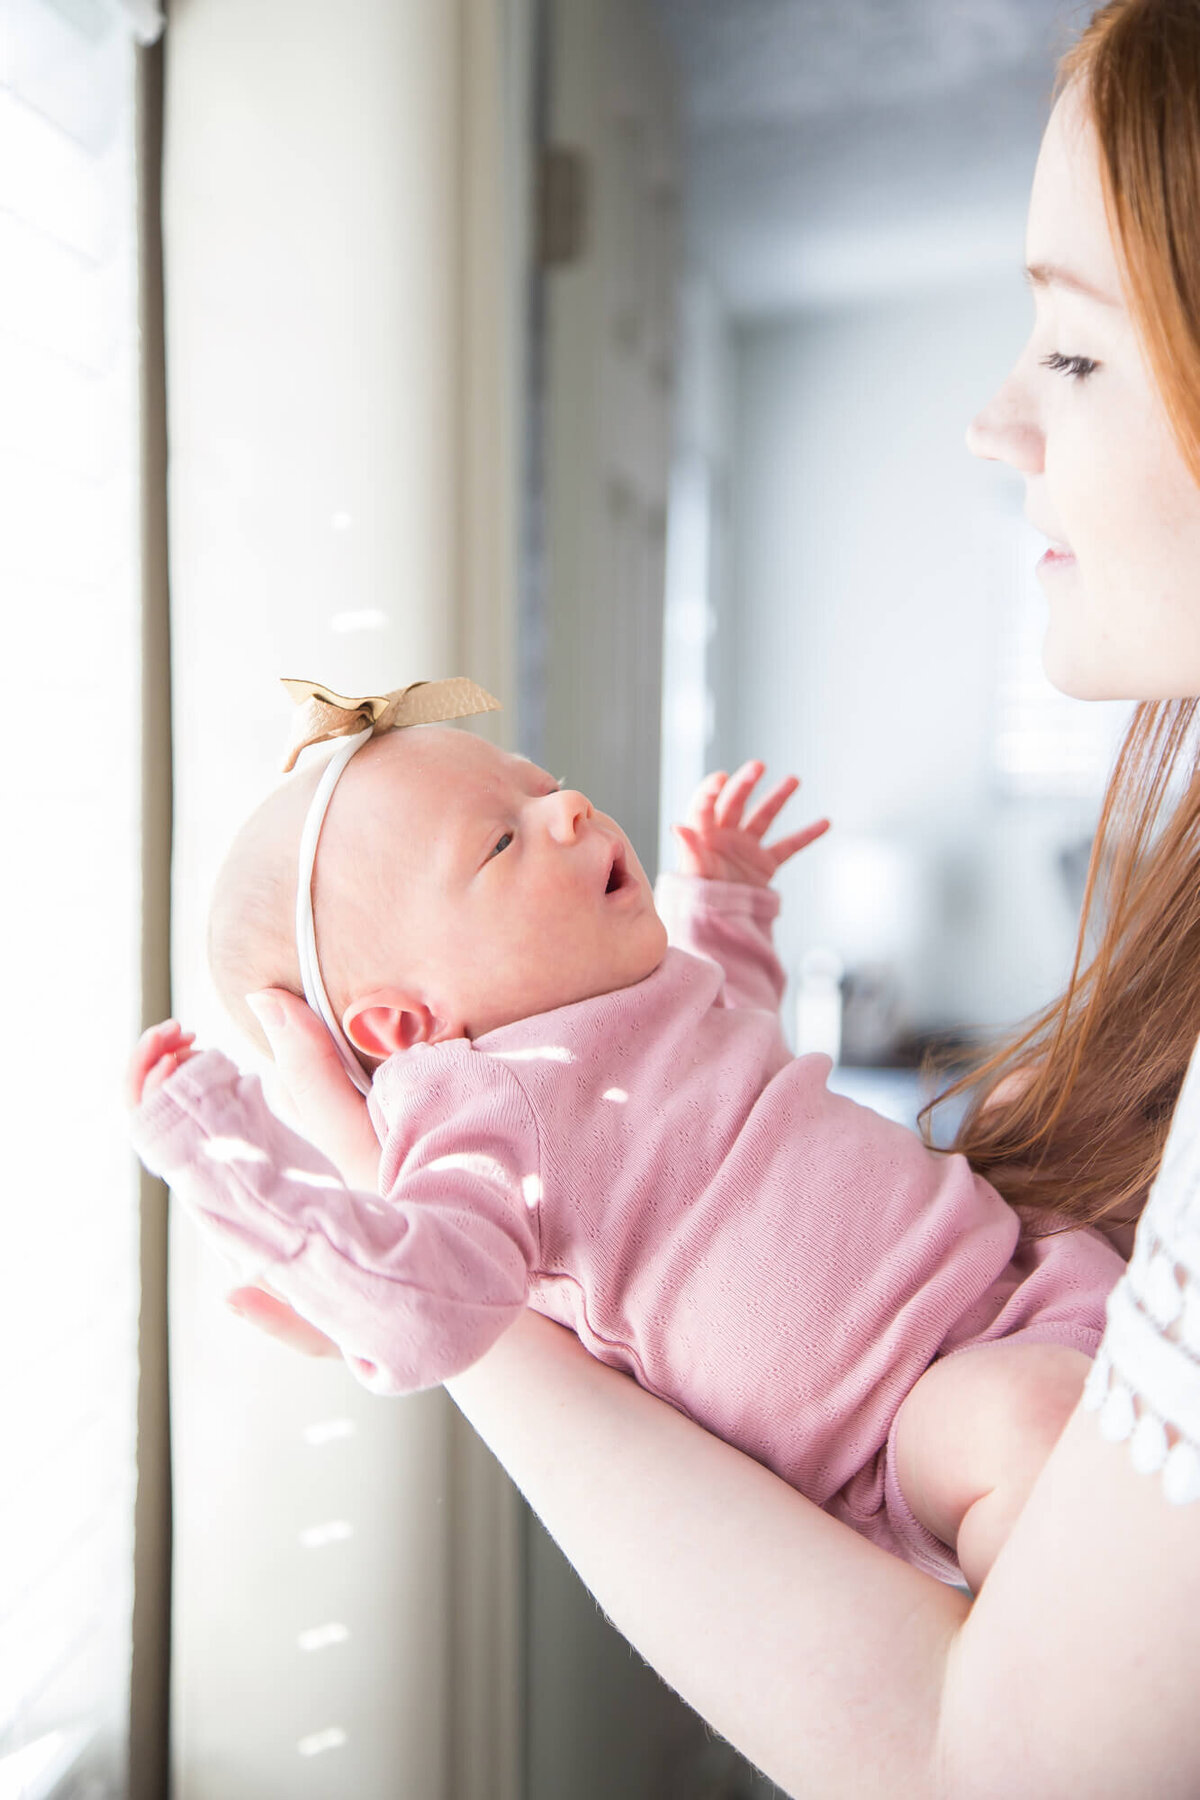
<point x="1078" y="367"/>
<point x="502" y="843"/>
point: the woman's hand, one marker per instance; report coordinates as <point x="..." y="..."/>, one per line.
<point x="718" y="844"/>
<point x="327" y="1107"/>
<point x="260" y="1307"/>
<point x="331" y="1113"/>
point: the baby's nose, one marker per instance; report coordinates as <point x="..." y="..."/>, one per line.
<point x="569" y="810"/>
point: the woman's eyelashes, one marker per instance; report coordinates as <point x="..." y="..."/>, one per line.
<point x="1077" y="367"/>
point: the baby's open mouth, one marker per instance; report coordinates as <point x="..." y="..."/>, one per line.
<point x="616" y="875"/>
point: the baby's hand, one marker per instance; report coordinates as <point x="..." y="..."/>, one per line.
<point x="160" y="1051"/>
<point x="719" y="845"/>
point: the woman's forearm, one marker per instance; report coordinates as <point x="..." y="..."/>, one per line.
<point x="837" y="1669"/>
<point x="818" y="1655"/>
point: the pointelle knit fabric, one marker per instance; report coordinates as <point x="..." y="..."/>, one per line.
<point x="653" y="1169"/>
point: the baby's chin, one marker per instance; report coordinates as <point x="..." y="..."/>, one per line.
<point x="639" y="959"/>
<point x="636" y="965"/>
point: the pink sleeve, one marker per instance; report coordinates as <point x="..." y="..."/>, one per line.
<point x="730" y="923"/>
<point x="413" y="1286"/>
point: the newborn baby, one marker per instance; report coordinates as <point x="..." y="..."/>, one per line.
<point x="577" y="1118"/>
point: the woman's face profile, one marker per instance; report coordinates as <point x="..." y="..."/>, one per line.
<point x="1080" y="417"/>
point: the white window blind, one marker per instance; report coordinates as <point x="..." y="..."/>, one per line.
<point x="70" y="788"/>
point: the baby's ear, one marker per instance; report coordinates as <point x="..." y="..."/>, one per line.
<point x="389" y="1020"/>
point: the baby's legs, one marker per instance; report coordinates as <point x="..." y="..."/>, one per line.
<point x="971" y="1438"/>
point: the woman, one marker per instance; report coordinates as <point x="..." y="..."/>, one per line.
<point x="837" y="1669"/>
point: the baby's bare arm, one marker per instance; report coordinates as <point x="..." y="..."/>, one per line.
<point x="973" y="1435"/>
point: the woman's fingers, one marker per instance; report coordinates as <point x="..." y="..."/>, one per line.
<point x="276" y="1318"/>
<point x="330" y="1111"/>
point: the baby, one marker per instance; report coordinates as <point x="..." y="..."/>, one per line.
<point x="576" y="1117"/>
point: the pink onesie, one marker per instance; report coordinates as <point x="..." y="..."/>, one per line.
<point x="653" y="1169"/>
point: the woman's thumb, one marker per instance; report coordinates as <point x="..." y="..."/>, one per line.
<point x="300" y="1045"/>
<point x="324" y="1103"/>
<point x="268" y="1012"/>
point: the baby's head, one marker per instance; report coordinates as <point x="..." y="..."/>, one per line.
<point x="457" y="888"/>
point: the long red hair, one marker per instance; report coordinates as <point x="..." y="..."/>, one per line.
<point x="1079" y="1134"/>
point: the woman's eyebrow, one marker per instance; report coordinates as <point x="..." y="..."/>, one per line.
<point x="1042" y="275"/>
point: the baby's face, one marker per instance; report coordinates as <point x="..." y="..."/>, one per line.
<point x="501" y="895"/>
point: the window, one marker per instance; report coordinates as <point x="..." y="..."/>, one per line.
<point x="71" y="798"/>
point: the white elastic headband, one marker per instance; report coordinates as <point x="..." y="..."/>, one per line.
<point x="306" y="937"/>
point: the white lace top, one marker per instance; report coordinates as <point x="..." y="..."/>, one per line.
<point x="1145" y="1382"/>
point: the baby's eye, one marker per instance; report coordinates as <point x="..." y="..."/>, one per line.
<point x="502" y="843"/>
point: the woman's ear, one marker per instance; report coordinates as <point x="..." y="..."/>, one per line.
<point x="391" y="1019"/>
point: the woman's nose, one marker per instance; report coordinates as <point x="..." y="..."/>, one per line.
<point x="568" y="809"/>
<point x="1006" y="430"/>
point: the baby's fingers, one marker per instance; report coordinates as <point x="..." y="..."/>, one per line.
<point x="164" y="1068"/>
<point x="799" y="840"/>
<point x="700" y="812"/>
<point x="770" y="805"/>
<point x="154" y="1043"/>
<point x="734" y="794"/>
<point x="691" y="850"/>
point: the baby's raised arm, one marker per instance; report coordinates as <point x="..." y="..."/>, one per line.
<point x="412" y="1285"/>
<point x="720" y="904"/>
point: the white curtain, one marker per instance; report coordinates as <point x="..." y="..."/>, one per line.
<point x="71" y="795"/>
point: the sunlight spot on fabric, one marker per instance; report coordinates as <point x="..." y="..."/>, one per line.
<point x="326" y="1431"/>
<point x="618" y="1096"/>
<point x="231" y="1149"/>
<point x="313" y="1178"/>
<point x="531" y="1187"/>
<point x="470" y="1162"/>
<point x="544" y="1053"/>
<point x="320" y="1637"/>
<point x="318" y="1741"/>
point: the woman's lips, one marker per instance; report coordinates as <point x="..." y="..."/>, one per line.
<point x="1057" y="557"/>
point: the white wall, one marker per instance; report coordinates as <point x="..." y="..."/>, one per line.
<point x="697" y="544"/>
<point x="341" y="484"/>
<point x="871" y="563"/>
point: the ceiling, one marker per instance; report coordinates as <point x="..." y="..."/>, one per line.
<point x="843" y="149"/>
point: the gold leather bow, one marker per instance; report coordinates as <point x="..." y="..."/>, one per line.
<point x="330" y="715"/>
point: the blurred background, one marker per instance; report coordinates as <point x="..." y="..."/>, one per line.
<point x="618" y="353"/>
